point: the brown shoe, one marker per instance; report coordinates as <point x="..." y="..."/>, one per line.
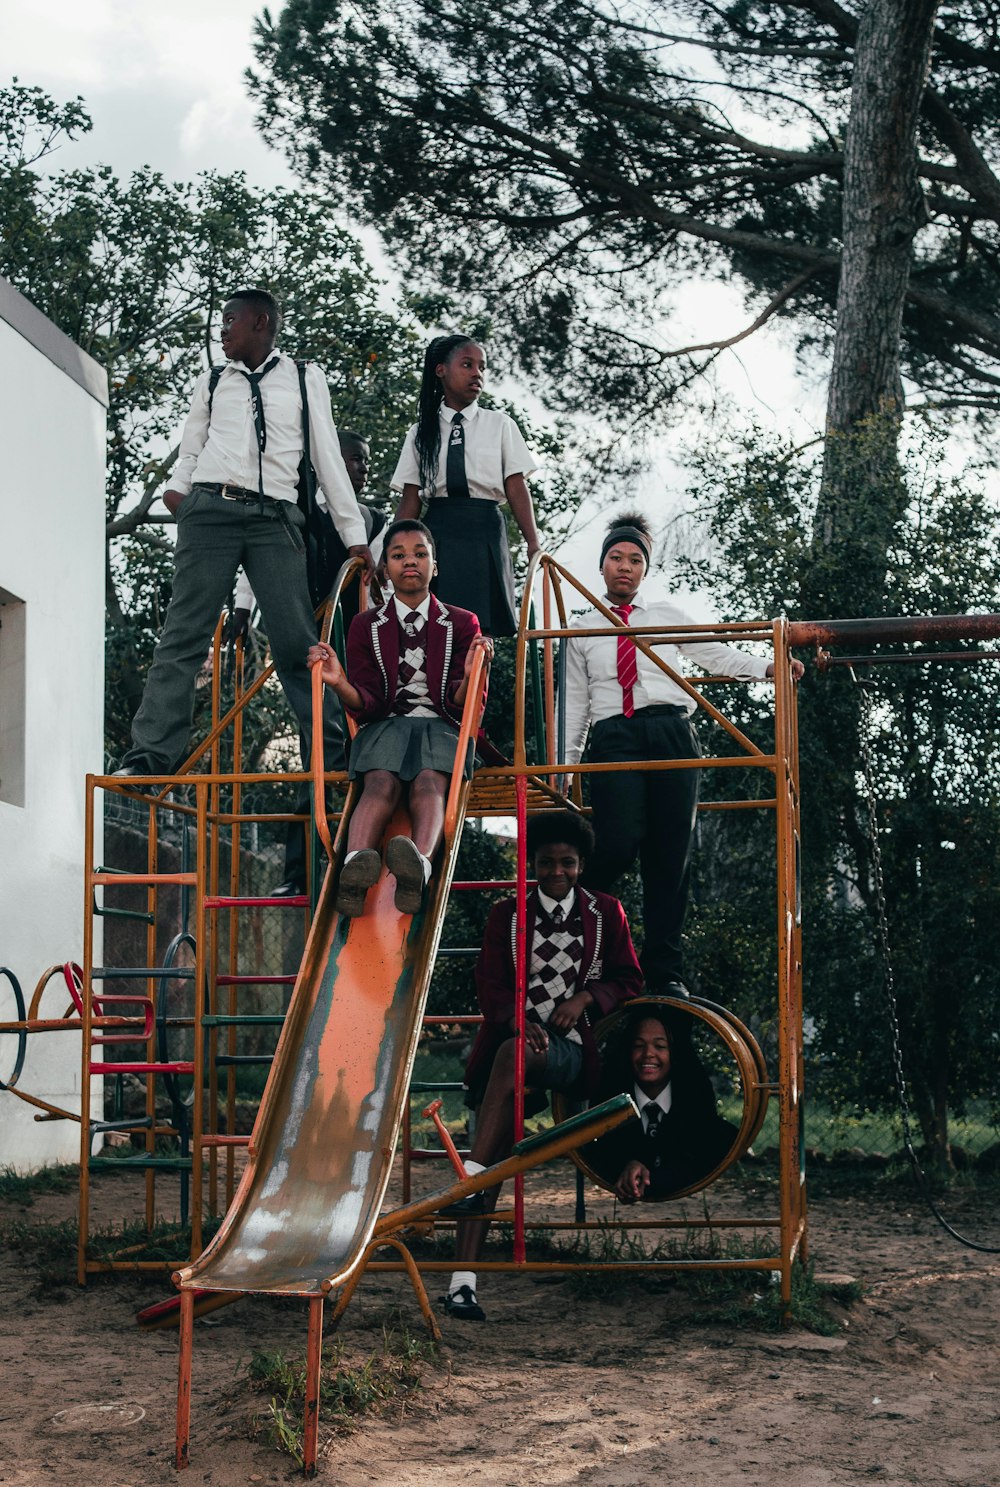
<point x="356" y="877"/>
<point x="407" y="867"/>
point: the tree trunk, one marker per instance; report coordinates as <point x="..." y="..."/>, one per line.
<point x="861" y="494"/>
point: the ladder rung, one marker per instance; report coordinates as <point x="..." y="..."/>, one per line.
<point x="249" y="1019"/>
<point x="256" y="980"/>
<point x="293" y="901"/>
<point x="101" y="1068"/>
<point x="114" y="879"/>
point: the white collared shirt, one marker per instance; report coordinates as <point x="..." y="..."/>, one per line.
<point x="566" y="904"/>
<point x="663" y="1099"/>
<point x="494" y="449"/>
<point x="593" y="691"/>
<point x="405" y="611"/>
<point x="223" y="450"/>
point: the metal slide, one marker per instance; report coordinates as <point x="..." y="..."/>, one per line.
<point x="326" y="1131"/>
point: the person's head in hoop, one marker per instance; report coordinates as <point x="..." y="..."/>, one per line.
<point x="626" y="553"/>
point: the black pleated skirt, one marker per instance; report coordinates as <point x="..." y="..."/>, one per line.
<point x="473" y="557"/>
<point x="405" y="746"/>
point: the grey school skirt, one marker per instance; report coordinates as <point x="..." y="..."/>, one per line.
<point x="404" y="746"/>
<point x="473" y="557"/>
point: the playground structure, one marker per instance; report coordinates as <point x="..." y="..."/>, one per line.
<point x="321" y="1156"/>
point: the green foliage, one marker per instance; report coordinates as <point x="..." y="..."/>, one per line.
<point x="560" y="168"/>
<point x="737" y="1298"/>
<point x="934" y="734"/>
<point x="24" y="1187"/>
<point x="136" y="272"/>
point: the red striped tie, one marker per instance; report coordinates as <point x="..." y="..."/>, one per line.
<point x="628" y="671"/>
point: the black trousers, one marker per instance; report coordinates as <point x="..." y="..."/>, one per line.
<point x="649" y="815"/>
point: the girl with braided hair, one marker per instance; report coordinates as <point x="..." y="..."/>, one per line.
<point x="465" y="461"/>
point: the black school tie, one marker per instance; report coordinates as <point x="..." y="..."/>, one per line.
<point x="653" y="1114"/>
<point x="260" y="427"/>
<point x="456" y="480"/>
<point x="557" y="914"/>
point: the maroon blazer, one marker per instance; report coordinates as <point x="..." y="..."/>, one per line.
<point x="373" y="646"/>
<point x="609" y="970"/>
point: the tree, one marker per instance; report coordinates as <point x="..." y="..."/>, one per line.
<point x="934" y="743"/>
<point x="135" y="271"/>
<point x="567" y="163"/>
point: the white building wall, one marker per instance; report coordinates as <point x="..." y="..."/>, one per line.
<point x="52" y="434"/>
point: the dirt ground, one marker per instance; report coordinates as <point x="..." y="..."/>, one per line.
<point x="628" y="1387"/>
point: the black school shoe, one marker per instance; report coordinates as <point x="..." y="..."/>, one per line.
<point x="468" y="1207"/>
<point x="356" y="877"/>
<point x="407" y="867"/>
<point x="290" y="888"/>
<point x="462" y="1305"/>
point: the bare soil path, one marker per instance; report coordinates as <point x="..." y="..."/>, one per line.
<point x="633" y="1386"/>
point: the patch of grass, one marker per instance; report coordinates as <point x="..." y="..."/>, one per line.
<point x="51" y="1248"/>
<point x="24" y="1187"/>
<point x="734" y="1298"/>
<point x="347" y="1391"/>
<point x="753" y="1300"/>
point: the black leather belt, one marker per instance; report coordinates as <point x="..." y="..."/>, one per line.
<point x="237" y="493"/>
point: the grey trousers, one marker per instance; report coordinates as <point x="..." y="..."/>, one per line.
<point x="214" y="537"/>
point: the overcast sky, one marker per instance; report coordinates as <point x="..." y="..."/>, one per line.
<point x="163" y="84"/>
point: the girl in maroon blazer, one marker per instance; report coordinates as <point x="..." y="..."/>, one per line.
<point x="408" y="665"/>
<point x="581" y="966"/>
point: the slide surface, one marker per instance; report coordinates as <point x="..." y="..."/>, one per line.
<point x="328" y="1123"/>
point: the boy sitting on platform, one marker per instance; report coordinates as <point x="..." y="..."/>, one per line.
<point x="581" y="965"/>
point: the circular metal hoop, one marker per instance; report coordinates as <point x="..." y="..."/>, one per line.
<point x="21" y="1035"/>
<point x="746" y="1054"/>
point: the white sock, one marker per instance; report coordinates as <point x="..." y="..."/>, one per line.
<point x="425" y="863"/>
<point x="461" y="1278"/>
<point x="471" y="1168"/>
<point x="350" y="855"/>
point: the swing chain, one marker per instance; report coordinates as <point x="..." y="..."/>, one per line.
<point x="865" y="688"/>
<point x="882" y="917"/>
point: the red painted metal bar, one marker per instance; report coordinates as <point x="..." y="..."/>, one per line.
<point x="241" y="980"/>
<point x="520" y="1002"/>
<point x="182" y="1450"/>
<point x="314" y="1361"/>
<point x="83" y="1222"/>
<point x="918" y="627"/>
<point x="450" y="1150"/>
<point x="144" y="1068"/>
